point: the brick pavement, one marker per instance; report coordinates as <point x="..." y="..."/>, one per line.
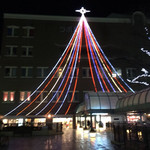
<point x="70" y="140"/>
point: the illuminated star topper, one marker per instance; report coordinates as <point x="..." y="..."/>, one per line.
<point x="82" y="11"/>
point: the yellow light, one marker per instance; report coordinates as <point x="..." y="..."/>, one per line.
<point x="86" y="131"/>
<point x="128" y="131"/>
<point x="92" y="134"/>
<point x="140" y="133"/>
<point x="49" y="116"/>
<point x="80" y="129"/>
<point x="59" y="72"/>
<point x="5" y="121"/>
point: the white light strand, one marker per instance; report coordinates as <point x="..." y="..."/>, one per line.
<point x="143" y="70"/>
<point x="145" y="51"/>
<point x="71" y="75"/>
<point x="147" y="32"/>
<point x="47" y="75"/>
<point x="107" y="58"/>
<point x="140" y="76"/>
<point x="56" y="81"/>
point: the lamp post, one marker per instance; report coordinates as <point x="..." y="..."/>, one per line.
<point x="49" y="121"/>
<point x="92" y="129"/>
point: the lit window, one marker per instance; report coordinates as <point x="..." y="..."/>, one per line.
<point x="59" y="73"/>
<point x="8" y="96"/>
<point x="5" y="96"/>
<point x="27" y="51"/>
<point x="11" y="50"/>
<point x="12" y="31"/>
<point x="11" y="72"/>
<point x="28" y="31"/>
<point x="22" y="96"/>
<point x="25" y="95"/>
<point x="42" y="72"/>
<point x="119" y="72"/>
<point x="12" y="94"/>
<point x="26" y="72"/>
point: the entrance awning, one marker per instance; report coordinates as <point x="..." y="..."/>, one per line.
<point x="100" y="102"/>
<point x="139" y="101"/>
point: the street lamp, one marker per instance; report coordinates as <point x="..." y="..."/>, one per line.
<point x="49" y="116"/>
<point x="49" y="121"/>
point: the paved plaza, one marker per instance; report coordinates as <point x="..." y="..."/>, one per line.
<point x="70" y="140"/>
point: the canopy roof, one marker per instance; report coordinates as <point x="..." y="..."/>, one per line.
<point x="139" y="101"/>
<point x="100" y="102"/>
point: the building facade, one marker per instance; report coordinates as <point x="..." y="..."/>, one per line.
<point x="32" y="44"/>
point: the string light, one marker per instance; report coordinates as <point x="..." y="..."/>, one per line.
<point x="102" y="67"/>
<point x="71" y="77"/>
<point x="135" y="80"/>
<point x="51" y="88"/>
<point x="111" y="64"/>
<point x="140" y="76"/>
<point x="63" y="87"/>
<point x="90" y="65"/>
<point x="59" y="60"/>
<point x="55" y="85"/>
<point x="147" y="32"/>
<point x="75" y="42"/>
<point x="97" y="74"/>
<point x="145" y="51"/>
<point x="99" y="63"/>
<point x="75" y="85"/>
<point x="102" y="59"/>
<point x="75" y="59"/>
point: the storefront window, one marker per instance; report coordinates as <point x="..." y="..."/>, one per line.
<point x="133" y="117"/>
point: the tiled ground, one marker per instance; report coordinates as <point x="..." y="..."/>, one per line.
<point x="70" y="140"/>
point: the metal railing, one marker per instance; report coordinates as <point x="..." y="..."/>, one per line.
<point x="132" y="135"/>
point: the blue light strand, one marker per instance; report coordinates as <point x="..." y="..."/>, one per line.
<point x="61" y="81"/>
<point x="101" y="65"/>
<point x="109" y="61"/>
<point x="59" y="85"/>
<point x="71" y="77"/>
<point x="97" y="74"/>
<point x="47" y="75"/>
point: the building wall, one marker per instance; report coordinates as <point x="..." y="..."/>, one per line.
<point x="121" y="40"/>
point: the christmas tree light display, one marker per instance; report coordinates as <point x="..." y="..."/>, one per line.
<point x="100" y="68"/>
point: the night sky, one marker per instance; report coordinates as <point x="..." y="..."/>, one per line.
<point x="99" y="8"/>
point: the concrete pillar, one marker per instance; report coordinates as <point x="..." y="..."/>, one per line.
<point x="24" y="123"/>
<point x="85" y="123"/>
<point x="49" y="122"/>
<point x="141" y="117"/>
<point x="92" y="129"/>
<point x="95" y="121"/>
<point x="80" y="122"/>
<point x="32" y="122"/>
<point x="74" y="121"/>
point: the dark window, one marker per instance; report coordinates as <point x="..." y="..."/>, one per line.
<point x="10" y="72"/>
